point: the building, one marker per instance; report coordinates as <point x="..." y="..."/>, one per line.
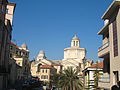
<point x="20" y="55"/>
<point x="10" y="11"/>
<point x="46" y="73"/>
<point x="5" y="38"/>
<point x="110" y="49"/>
<point x="43" y="68"/>
<point x="74" y="56"/>
<point x="92" y="74"/>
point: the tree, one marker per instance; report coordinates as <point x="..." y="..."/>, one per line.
<point x="68" y="80"/>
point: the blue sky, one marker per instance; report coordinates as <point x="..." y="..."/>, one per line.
<point x="49" y="25"/>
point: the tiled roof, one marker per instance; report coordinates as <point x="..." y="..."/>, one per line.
<point x="47" y="66"/>
<point x="98" y="65"/>
<point x="13" y="43"/>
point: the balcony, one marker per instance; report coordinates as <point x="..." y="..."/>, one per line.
<point x="91" y="83"/>
<point x="104" y="49"/>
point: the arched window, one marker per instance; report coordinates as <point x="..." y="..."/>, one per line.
<point x="74" y="43"/>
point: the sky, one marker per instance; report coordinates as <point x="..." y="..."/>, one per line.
<point x="49" y="25"/>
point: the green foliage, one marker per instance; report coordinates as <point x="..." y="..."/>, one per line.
<point x="68" y="80"/>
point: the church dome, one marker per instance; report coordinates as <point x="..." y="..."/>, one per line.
<point x="41" y="52"/>
<point x="24" y="46"/>
<point x="41" y="55"/>
<point x="75" y="38"/>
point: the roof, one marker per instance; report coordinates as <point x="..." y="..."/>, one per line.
<point x="57" y="64"/>
<point x="12" y="43"/>
<point x="47" y="66"/>
<point x="104" y="29"/>
<point x="75" y="38"/>
<point x="98" y="65"/>
<point x="11" y="3"/>
<point x="111" y="8"/>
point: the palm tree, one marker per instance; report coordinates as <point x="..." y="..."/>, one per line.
<point x="69" y="80"/>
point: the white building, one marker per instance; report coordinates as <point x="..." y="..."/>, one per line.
<point x="74" y="56"/>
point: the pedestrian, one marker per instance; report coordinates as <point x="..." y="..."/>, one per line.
<point x="118" y="83"/>
<point x="114" y="87"/>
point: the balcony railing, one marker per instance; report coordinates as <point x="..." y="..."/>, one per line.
<point x="104" y="79"/>
<point x="103" y="46"/>
<point x="91" y="82"/>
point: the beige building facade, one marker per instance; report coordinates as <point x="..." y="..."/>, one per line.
<point x="43" y="68"/>
<point x="110" y="50"/>
<point x="20" y="55"/>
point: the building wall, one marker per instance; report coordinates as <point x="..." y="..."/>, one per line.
<point x="10" y="11"/>
<point x="21" y="57"/>
<point x="46" y="74"/>
<point x="74" y="53"/>
<point x="5" y="37"/>
<point x="115" y="61"/>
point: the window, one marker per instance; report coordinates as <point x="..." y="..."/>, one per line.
<point x="7" y="10"/>
<point x="116" y="77"/>
<point x="42" y="77"/>
<point x="23" y="53"/>
<point x="79" y="65"/>
<point x="20" y="52"/>
<point x="11" y="47"/>
<point x="115" y="40"/>
<point x="19" y="63"/>
<point x="43" y="70"/>
<point x="74" y="43"/>
<point x="10" y="55"/>
<point x="16" y="52"/>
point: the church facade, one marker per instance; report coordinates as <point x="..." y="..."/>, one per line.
<point x="74" y="56"/>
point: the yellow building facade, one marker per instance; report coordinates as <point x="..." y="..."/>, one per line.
<point x="20" y="55"/>
<point x="43" y="68"/>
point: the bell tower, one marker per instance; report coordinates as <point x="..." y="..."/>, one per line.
<point x="75" y="42"/>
